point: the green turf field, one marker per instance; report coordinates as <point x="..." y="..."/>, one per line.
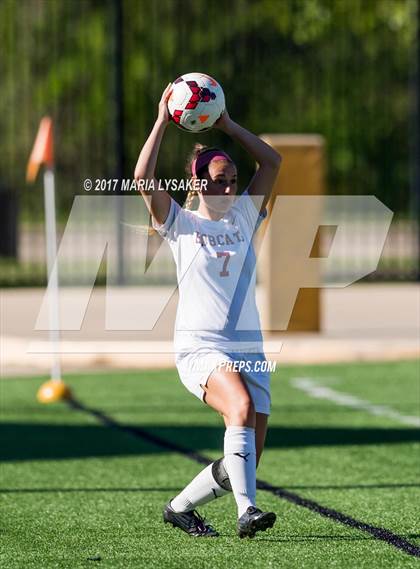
<point x="77" y="493"/>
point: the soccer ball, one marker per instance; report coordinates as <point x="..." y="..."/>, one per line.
<point x="196" y="102"/>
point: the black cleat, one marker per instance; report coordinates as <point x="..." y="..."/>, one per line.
<point x="254" y="520"/>
<point x="190" y="522"/>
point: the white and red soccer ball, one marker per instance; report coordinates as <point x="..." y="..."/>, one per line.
<point x="196" y="102"/>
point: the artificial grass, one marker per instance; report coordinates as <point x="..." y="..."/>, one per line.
<point x="76" y="493"/>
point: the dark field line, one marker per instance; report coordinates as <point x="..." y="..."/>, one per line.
<point x="379" y="533"/>
<point x="49" y="490"/>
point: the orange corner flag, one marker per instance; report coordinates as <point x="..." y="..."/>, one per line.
<point x="42" y="152"/>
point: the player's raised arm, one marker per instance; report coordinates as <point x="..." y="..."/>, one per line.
<point x="157" y="202"/>
<point x="267" y="158"/>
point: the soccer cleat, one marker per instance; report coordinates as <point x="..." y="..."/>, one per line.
<point x="254" y="520"/>
<point x="190" y="522"/>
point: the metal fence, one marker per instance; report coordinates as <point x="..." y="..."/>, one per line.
<point x="346" y="70"/>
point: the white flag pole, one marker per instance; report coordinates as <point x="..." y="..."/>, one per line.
<point x="43" y="153"/>
<point x="52" y="268"/>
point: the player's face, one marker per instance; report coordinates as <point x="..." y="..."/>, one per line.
<point x="222" y="185"/>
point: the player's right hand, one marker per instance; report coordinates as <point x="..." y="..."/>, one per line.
<point x="163" y="113"/>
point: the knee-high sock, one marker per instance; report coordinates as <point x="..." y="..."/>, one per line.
<point x="240" y="463"/>
<point x="206" y="486"/>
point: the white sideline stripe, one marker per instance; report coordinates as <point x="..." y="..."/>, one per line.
<point x="318" y="391"/>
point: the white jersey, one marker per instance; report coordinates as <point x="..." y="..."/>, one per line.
<point x="216" y="274"/>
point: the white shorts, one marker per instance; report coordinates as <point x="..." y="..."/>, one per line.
<point x="195" y="367"/>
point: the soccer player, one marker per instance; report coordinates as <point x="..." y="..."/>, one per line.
<point x="218" y="341"/>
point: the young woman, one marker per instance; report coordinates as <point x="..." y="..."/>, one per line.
<point x="218" y="340"/>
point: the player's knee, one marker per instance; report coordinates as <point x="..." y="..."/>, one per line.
<point x="241" y="411"/>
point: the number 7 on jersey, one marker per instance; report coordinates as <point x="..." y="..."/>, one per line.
<point x="224" y="272"/>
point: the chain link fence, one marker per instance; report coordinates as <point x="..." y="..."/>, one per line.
<point x="346" y="70"/>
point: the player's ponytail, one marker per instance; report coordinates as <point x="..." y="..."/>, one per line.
<point x="190" y="198"/>
<point x="197" y="150"/>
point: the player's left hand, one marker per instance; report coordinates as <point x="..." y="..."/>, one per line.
<point x="163" y="112"/>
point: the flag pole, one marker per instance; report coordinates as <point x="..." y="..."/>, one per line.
<point x="52" y="268"/>
<point x="55" y="389"/>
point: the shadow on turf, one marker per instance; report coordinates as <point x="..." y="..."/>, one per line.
<point x="29" y="441"/>
<point x="176" y="408"/>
